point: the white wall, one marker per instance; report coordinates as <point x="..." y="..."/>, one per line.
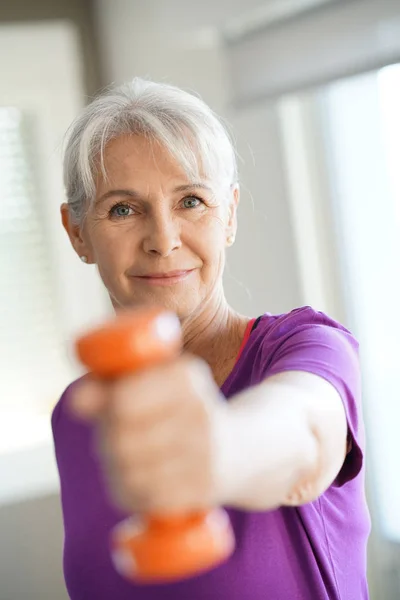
<point x="181" y="45"/>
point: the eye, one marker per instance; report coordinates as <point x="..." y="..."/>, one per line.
<point x="192" y="202"/>
<point x="121" y="211"/>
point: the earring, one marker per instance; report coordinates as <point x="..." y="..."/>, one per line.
<point x="84" y="259"/>
<point x="230" y="239"/>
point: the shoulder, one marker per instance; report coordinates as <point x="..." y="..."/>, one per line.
<point x="302" y="328"/>
<point x="278" y="327"/>
<point x="302" y="339"/>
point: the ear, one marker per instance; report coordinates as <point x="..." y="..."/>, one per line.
<point x="74" y="232"/>
<point x="232" y="214"/>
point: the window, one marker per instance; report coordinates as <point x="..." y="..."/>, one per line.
<point x="46" y="294"/>
<point x="361" y="125"/>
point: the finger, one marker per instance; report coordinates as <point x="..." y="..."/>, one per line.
<point x="160" y="391"/>
<point x="137" y="445"/>
<point x="168" y="486"/>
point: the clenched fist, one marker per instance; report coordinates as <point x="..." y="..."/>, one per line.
<point x="163" y="436"/>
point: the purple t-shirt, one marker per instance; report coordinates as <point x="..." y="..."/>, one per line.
<point x="313" y="552"/>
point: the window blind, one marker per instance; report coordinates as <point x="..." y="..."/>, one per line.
<point x="33" y="363"/>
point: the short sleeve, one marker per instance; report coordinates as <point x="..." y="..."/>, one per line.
<point x="317" y="344"/>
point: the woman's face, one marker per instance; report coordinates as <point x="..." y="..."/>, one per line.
<point x="156" y="237"/>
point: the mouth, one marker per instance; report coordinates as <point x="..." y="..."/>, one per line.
<point x="165" y="279"/>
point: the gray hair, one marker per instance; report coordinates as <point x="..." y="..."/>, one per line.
<point x="180" y="121"/>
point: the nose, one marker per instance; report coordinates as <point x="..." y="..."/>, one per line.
<point x="162" y="237"/>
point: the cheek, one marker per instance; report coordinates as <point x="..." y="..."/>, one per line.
<point x="211" y="227"/>
<point x="113" y="249"/>
<point x="207" y="239"/>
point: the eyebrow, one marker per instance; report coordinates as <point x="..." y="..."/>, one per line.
<point x="134" y="194"/>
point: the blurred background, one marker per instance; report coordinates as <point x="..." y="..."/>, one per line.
<point x="311" y="92"/>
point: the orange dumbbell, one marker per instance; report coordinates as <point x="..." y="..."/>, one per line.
<point x="154" y="548"/>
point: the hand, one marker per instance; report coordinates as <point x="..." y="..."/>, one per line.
<point x="160" y="435"/>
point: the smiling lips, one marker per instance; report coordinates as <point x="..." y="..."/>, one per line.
<point x="165" y="278"/>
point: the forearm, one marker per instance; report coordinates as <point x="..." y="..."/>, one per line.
<point x="273" y="453"/>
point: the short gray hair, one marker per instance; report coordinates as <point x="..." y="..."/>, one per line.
<point x="180" y="121"/>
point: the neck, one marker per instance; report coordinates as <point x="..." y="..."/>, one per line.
<point x="215" y="334"/>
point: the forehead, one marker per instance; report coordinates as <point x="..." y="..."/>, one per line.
<point x="136" y="158"/>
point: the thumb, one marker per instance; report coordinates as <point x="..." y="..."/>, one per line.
<point x="88" y="398"/>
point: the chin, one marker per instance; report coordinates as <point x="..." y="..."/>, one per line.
<point x="182" y="307"/>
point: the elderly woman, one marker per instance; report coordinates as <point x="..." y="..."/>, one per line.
<point x="152" y="189"/>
